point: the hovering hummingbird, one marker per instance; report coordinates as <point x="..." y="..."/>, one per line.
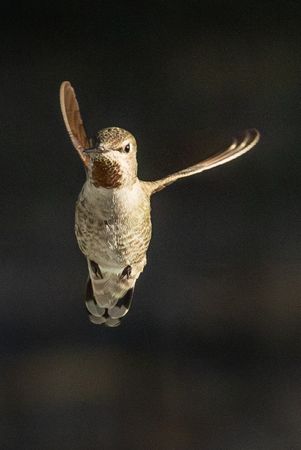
<point x="112" y="217"/>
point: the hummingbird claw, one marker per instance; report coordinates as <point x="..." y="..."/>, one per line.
<point x="126" y="272"/>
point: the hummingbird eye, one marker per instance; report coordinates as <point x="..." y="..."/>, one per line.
<point x="127" y="148"/>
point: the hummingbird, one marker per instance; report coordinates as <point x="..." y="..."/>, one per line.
<point x="113" y="211"/>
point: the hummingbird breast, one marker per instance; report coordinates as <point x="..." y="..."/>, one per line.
<point x="113" y="226"/>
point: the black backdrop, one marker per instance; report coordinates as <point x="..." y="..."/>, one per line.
<point x="209" y="356"/>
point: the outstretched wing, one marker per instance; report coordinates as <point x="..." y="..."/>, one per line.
<point x="237" y="148"/>
<point x="73" y="120"/>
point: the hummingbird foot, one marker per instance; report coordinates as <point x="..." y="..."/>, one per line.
<point x="96" y="269"/>
<point x="126" y="273"/>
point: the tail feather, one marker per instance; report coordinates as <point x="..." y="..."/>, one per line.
<point x="111" y="315"/>
<point x="108" y="287"/>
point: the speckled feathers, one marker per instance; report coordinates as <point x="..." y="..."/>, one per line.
<point x="112" y="218"/>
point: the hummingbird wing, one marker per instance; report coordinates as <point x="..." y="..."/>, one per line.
<point x="237" y="148"/>
<point x="73" y="121"/>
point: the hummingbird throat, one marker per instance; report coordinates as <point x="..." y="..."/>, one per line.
<point x="106" y="173"/>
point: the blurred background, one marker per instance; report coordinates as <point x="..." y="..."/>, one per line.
<point x="209" y="355"/>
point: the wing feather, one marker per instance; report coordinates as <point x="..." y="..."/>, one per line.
<point x="236" y="149"/>
<point x="73" y="121"/>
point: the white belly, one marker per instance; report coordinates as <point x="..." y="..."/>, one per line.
<point x="113" y="226"/>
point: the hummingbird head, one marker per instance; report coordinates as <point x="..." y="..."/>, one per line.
<point x="112" y="159"/>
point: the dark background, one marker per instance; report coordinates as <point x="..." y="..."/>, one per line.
<point x="209" y="356"/>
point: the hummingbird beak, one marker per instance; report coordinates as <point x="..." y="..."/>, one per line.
<point x="90" y="150"/>
<point x="95" y="149"/>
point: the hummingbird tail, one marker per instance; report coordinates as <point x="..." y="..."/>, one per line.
<point x="110" y="316"/>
